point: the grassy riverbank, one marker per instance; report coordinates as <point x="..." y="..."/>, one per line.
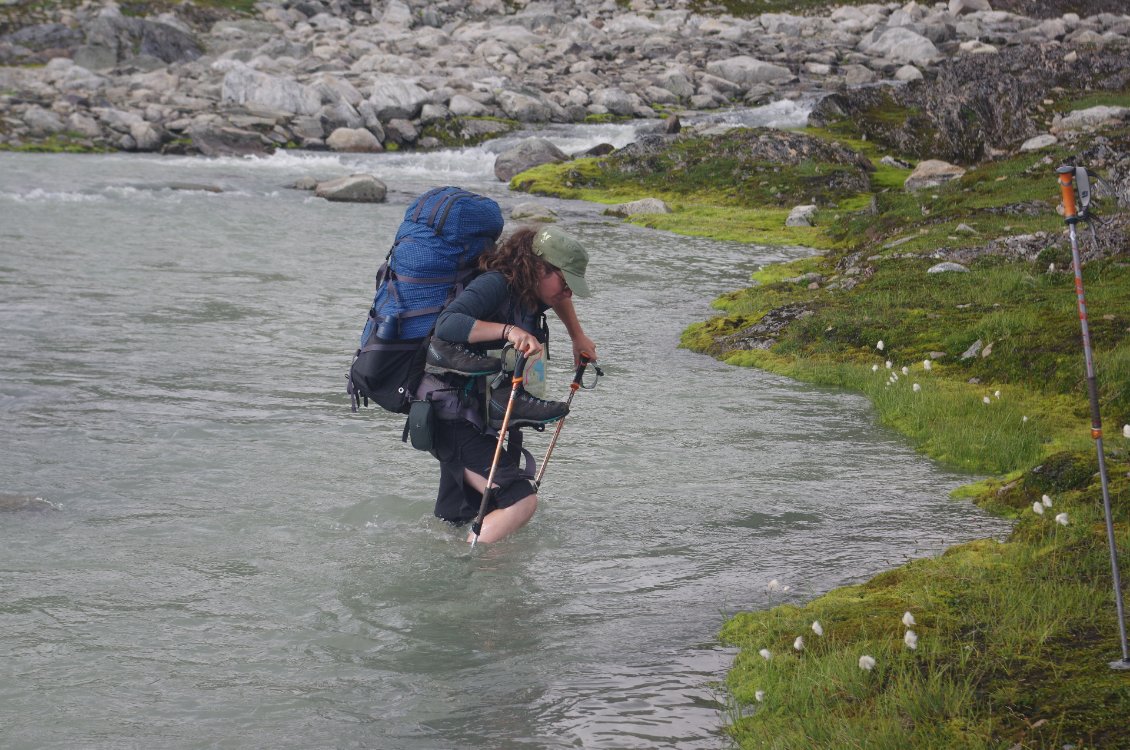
<point x="983" y="371"/>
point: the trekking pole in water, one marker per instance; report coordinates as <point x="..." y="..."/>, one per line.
<point x="516" y="385"/>
<point x="573" y="388"/>
<point x="1070" y="178"/>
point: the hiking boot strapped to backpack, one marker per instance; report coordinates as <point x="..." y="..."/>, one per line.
<point x="434" y="257"/>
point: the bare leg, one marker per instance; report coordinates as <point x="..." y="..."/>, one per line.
<point x="501" y="522"/>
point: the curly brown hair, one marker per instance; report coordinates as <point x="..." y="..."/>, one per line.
<point x="514" y="258"/>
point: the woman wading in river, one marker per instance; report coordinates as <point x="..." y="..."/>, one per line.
<point x="533" y="270"/>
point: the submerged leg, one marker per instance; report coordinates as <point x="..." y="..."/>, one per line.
<point x="501" y="522"/>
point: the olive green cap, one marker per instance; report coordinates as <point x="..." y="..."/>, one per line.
<point x="561" y="250"/>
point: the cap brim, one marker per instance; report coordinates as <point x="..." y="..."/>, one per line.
<point x="577" y="284"/>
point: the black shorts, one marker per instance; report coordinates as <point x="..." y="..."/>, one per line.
<point x="460" y="445"/>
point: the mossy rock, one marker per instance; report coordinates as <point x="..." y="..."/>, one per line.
<point x="1061" y="472"/>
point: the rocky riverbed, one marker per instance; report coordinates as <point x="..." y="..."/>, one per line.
<point x="349" y="76"/>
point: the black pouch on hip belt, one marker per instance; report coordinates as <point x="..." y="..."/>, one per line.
<point x="421" y="425"/>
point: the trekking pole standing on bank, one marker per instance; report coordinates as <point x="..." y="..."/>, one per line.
<point x="1078" y="175"/>
<point x="516" y="385"/>
<point x="573" y="388"/>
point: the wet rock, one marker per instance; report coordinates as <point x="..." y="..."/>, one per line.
<point x="533" y="212"/>
<point x="219" y="140"/>
<point x="528" y="154"/>
<point x="357" y="188"/>
<point x="26" y="503"/>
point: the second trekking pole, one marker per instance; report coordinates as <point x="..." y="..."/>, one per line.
<point x="516" y="385"/>
<point x="1067" y="176"/>
<point x="573" y="388"/>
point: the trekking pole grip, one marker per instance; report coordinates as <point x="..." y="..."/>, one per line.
<point x="579" y="375"/>
<point x="519" y="368"/>
<point x="1067" y="192"/>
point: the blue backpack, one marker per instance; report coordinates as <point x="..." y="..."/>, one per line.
<point x="444" y="232"/>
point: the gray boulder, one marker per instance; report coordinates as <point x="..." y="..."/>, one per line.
<point x="746" y="71"/>
<point x="523" y="107"/>
<point x="962" y="7"/>
<point x="43" y="121"/>
<point x="249" y="88"/>
<point x="112" y="38"/>
<point x="357" y="188"/>
<point x="354" y="140"/>
<point x="220" y="140"/>
<point x="931" y="173"/>
<point x="393" y="98"/>
<point x="1039" y="142"/>
<point x="642" y="206"/>
<point x="801" y="216"/>
<point x="901" y="45"/>
<point x="614" y="100"/>
<point x="533" y="212"/>
<point x="947" y="267"/>
<point x="1090" y="119"/>
<point x="528" y="154"/>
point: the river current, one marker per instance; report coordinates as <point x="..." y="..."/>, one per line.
<point x="224" y="556"/>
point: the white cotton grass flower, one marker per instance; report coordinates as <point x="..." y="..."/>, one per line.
<point x="867" y="662"/>
<point x="1024" y="419"/>
<point x="986" y="400"/>
<point x="908" y="619"/>
<point x="1061" y="519"/>
<point x="997" y="394"/>
<point x="817" y="627"/>
<point x="910" y="639"/>
<point x="1038" y="508"/>
<point x="916" y="388"/>
<point x="1126" y="430"/>
<point x="798" y="644"/>
<point x="890" y="364"/>
<point x="874" y="368"/>
<point x="773" y="585"/>
<point x="766" y="654"/>
<point x="784" y="589"/>
<point x="880" y="346"/>
<point x="759" y="695"/>
<point x="927" y="364"/>
<point x="1047" y="501"/>
<point x="905" y="370"/>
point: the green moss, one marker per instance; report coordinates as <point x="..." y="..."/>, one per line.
<point x="457" y="132"/>
<point x="56" y="144"/>
<point x="1013" y="642"/>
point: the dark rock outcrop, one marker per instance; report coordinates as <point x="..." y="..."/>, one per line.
<point x="975" y="103"/>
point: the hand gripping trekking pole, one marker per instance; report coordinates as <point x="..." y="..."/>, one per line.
<point x="573" y="388"/>
<point x="1078" y="175"/>
<point x="516" y="385"/>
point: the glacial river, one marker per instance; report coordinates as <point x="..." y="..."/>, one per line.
<point x="225" y="557"/>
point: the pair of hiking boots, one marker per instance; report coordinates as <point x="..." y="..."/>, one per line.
<point x="528" y="410"/>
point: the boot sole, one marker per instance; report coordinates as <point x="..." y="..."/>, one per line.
<point x="437" y="370"/>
